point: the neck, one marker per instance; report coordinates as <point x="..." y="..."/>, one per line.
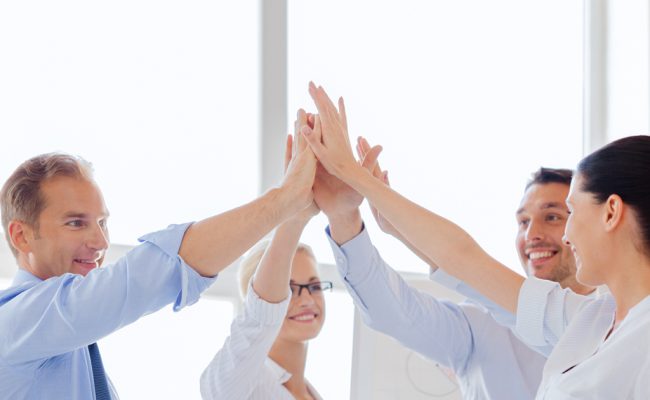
<point x="292" y="356"/>
<point x="577" y="287"/>
<point x="630" y="285"/>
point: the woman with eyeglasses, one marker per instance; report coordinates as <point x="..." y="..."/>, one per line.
<point x="265" y="355"/>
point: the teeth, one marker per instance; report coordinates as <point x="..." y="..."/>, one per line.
<point x="304" y="317"/>
<point x="540" y="254"/>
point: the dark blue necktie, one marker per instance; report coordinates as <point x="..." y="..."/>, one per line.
<point x="99" y="376"/>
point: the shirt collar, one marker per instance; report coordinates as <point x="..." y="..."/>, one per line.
<point x="23" y="276"/>
<point x="281" y="374"/>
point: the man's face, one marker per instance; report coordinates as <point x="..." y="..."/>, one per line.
<point x="541" y="218"/>
<point x="72" y="234"/>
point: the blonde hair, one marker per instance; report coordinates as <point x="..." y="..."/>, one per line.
<point x="249" y="263"/>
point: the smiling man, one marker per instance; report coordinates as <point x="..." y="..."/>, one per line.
<point x="473" y="339"/>
<point x="61" y="302"/>
<point x="541" y="218"/>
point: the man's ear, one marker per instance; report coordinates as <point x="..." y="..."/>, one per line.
<point x="19" y="233"/>
<point x="614" y="208"/>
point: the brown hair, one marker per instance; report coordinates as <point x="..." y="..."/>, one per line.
<point x="21" y="198"/>
<point x="550" y="175"/>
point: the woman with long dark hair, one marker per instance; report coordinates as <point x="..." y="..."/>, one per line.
<point x="601" y="345"/>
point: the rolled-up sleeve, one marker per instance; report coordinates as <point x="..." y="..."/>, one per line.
<point x="192" y="284"/>
<point x="66" y="312"/>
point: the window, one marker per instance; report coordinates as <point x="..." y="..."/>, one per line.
<point x="162" y="356"/>
<point x="161" y="96"/>
<point x="468" y="98"/>
<point x="329" y="360"/>
<point x="628" y="63"/>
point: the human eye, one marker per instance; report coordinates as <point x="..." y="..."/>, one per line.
<point x="553" y="217"/>
<point x="294" y="289"/>
<point x="75" y="223"/>
<point x="523" y="222"/>
<point x="316" y="287"/>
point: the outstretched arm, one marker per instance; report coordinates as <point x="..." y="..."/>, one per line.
<point x="212" y="244"/>
<point x="372" y="164"/>
<point x="271" y="281"/>
<point x="439" y="239"/>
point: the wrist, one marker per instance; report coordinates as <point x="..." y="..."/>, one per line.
<point x="287" y="200"/>
<point x="344" y="227"/>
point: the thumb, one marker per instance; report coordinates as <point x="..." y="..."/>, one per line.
<point x="287" y="152"/>
<point x="371" y="157"/>
<point x="313" y="140"/>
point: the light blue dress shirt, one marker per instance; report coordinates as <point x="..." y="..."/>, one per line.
<point x="46" y="326"/>
<point x="488" y="359"/>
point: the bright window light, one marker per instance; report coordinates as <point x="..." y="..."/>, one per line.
<point x="329" y="361"/>
<point x="468" y="98"/>
<point x="628" y="63"/>
<point x="161" y="96"/>
<point x="162" y="356"/>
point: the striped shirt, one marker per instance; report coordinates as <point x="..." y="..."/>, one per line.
<point x="242" y="370"/>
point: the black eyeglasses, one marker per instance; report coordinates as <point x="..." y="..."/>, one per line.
<point x="312" y="287"/>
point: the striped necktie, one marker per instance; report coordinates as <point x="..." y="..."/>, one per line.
<point x="99" y="376"/>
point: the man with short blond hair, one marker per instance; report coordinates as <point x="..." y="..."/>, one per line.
<point x="61" y="303"/>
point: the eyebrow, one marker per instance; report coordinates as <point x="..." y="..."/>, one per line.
<point x="545" y="206"/>
<point x="312" y="279"/>
<point x="74" y="214"/>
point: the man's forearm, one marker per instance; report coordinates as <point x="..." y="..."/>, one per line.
<point x="440" y="241"/>
<point x="210" y="245"/>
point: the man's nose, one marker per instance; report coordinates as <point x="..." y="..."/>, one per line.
<point x="534" y="231"/>
<point x="98" y="238"/>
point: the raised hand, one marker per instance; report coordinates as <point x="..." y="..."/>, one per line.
<point x="300" y="166"/>
<point x="332" y="144"/>
<point x="333" y="196"/>
<point x="370" y="162"/>
<point x="292" y="147"/>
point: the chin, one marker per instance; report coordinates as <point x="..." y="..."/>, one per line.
<point x="587" y="279"/>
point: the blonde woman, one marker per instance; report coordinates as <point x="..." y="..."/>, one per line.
<point x="265" y="355"/>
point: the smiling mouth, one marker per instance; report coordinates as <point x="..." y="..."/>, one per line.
<point x="88" y="264"/>
<point x="304" y="318"/>
<point x="537" y="258"/>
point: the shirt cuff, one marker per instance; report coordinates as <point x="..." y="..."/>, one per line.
<point x="358" y="251"/>
<point x="531" y="310"/>
<point x="264" y="312"/>
<point x="192" y="283"/>
<point x="443" y="278"/>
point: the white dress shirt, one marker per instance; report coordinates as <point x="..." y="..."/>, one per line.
<point x="242" y="370"/>
<point x="583" y="365"/>
<point x="488" y="359"/>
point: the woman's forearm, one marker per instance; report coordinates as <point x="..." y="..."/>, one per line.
<point x="271" y="281"/>
<point x="441" y="241"/>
